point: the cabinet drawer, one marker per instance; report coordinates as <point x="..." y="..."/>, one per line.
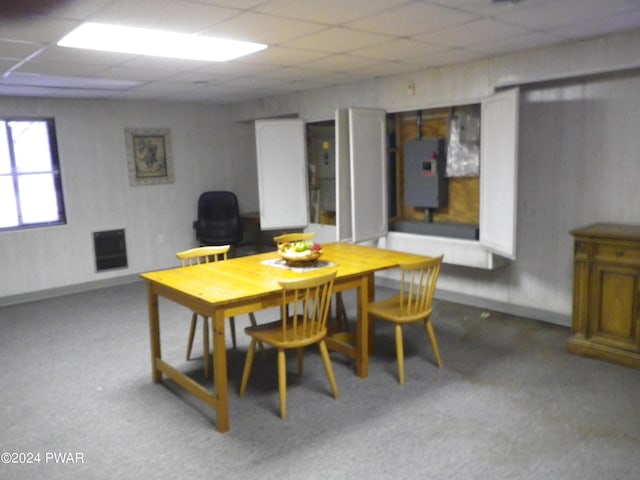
<point x="622" y="253"/>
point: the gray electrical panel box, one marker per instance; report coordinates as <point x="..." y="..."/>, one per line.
<point x="425" y="185"/>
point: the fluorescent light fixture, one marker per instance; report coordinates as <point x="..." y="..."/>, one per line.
<point x="55" y="81"/>
<point x="157" y="43"/>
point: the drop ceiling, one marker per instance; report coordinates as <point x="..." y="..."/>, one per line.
<point x="312" y="43"/>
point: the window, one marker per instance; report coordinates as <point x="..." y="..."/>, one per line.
<point x="30" y="183"/>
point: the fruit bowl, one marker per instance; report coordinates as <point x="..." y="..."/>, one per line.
<point x="297" y="254"/>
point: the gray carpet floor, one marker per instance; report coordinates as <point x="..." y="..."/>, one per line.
<point x="509" y="403"/>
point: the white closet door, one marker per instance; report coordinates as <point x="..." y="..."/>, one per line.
<point x="367" y="144"/>
<point x="343" y="177"/>
<point x="499" y="173"/>
<point x="282" y="173"/>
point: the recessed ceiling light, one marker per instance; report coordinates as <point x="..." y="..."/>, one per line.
<point x="157" y="43"/>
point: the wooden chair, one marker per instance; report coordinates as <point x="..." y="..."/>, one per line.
<point x="413" y="304"/>
<point x="293" y="237"/>
<point x="341" y="321"/>
<point x="196" y="256"/>
<point x="308" y="300"/>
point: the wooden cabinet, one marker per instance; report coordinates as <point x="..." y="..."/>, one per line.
<point x="606" y="293"/>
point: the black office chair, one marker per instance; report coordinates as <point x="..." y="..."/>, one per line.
<point x="218" y="220"/>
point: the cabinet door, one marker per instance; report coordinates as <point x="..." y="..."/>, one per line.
<point x="343" y="177"/>
<point x="614" y="310"/>
<point x="282" y="173"/>
<point x="368" y="149"/>
<point x="499" y="173"/>
<point x="361" y="174"/>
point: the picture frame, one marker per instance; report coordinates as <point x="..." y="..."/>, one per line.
<point x="149" y="156"/>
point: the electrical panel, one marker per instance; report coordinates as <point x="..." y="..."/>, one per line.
<point x="425" y="184"/>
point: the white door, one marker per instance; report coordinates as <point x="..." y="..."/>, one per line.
<point x="282" y="173"/>
<point x="364" y="181"/>
<point x="499" y="173"/>
<point x="343" y="177"/>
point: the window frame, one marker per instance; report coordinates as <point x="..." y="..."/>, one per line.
<point x="55" y="171"/>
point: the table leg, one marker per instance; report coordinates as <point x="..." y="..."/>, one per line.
<point x="362" y="334"/>
<point x="220" y="382"/>
<point x="207" y="357"/>
<point x="154" y="333"/>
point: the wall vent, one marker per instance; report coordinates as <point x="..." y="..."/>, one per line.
<point x="110" y="249"/>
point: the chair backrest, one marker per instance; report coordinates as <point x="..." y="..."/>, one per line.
<point x="305" y="307"/>
<point x="417" y="286"/>
<point x="287" y="238"/>
<point x="196" y="256"/>
<point x="218" y="220"/>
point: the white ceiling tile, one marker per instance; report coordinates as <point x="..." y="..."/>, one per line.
<point x="488" y="8"/>
<point x="282" y="56"/>
<point x="76" y="9"/>
<point x="18" y="50"/>
<point x="230" y="69"/>
<point x="599" y="26"/>
<point x="80" y="55"/>
<point x="566" y="12"/>
<point x="258" y="27"/>
<point x="473" y="33"/>
<point x="61" y="69"/>
<point x="35" y="29"/>
<point x="313" y="43"/>
<point x="337" y="40"/>
<point x="335" y="12"/>
<point x="135" y="73"/>
<point x="340" y="63"/>
<point x="413" y="19"/>
<point x="159" y="63"/>
<point x="174" y="15"/>
<point x="294" y="73"/>
<point x="397" y="49"/>
<point x="449" y="57"/>
<point x="242" y="4"/>
<point x="517" y="43"/>
<point x="389" y="68"/>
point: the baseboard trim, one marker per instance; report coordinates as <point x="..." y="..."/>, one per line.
<point x="67" y="290"/>
<point x="488" y="304"/>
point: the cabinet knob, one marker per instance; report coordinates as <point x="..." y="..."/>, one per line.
<point x="619" y="253"/>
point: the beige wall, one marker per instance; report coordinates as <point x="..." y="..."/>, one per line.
<point x="578" y="159"/>
<point x="209" y="152"/>
<point x="578" y="155"/>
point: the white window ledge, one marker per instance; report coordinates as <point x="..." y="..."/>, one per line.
<point x="468" y="253"/>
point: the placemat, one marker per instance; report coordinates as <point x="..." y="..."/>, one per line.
<point x="282" y="263"/>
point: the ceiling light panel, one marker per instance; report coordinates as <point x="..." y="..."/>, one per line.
<point x="157" y="43"/>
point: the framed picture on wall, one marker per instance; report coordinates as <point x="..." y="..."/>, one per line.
<point x="149" y="156"/>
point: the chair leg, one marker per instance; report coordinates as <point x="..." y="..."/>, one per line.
<point x="192" y="333"/>
<point x="232" y="324"/>
<point x="300" y="361"/>
<point x="246" y="373"/>
<point x="328" y="368"/>
<point x="400" y="354"/>
<point x="252" y="319"/>
<point x="282" y="382"/>
<point x="372" y="334"/>
<point x="342" y="322"/>
<point x="434" y="343"/>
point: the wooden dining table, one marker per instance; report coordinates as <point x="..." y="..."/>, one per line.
<point x="220" y="290"/>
